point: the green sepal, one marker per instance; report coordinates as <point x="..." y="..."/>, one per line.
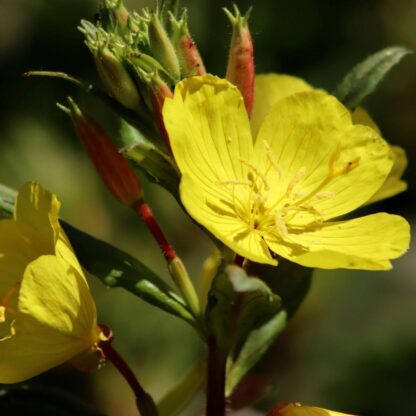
<point x="31" y="400"/>
<point x="114" y="267"/>
<point x="364" y="78"/>
<point x="158" y="166"/>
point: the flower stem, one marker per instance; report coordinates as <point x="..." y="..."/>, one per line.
<point x="146" y="214"/>
<point x="176" y="268"/>
<point x="216" y="403"/>
<point x="145" y="403"/>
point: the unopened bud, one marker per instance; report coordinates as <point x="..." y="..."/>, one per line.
<point x="162" y="47"/>
<point x="114" y="16"/>
<point x="189" y="57"/>
<point x="117" y="79"/>
<point x="158" y="92"/>
<point x="240" y="69"/>
<point x="114" y="169"/>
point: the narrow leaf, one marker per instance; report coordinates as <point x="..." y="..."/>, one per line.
<point x="291" y="283"/>
<point x="256" y="345"/>
<point x="365" y="77"/>
<point x="114" y="267"/>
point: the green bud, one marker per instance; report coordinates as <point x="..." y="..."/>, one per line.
<point x="162" y="47"/>
<point x="116" y="78"/>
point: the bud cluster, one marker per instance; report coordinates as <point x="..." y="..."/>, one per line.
<point x="140" y="56"/>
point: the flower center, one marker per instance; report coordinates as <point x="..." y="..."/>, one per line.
<point x="268" y="206"/>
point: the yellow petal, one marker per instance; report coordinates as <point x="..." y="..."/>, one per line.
<point x="305" y="132"/>
<point x="217" y="217"/>
<point x="209" y="130"/>
<point x="367" y="243"/>
<point x="39" y="209"/>
<point x="56" y="321"/>
<point x="56" y="295"/>
<point x="393" y="184"/>
<point x="18" y="247"/>
<point x="295" y="409"/>
<point x="361" y="116"/>
<point x="268" y="90"/>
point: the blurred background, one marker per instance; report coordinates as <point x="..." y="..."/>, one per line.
<point x="352" y="345"/>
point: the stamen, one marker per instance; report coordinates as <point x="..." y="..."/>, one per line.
<point x="257" y="172"/>
<point x="234" y="182"/>
<point x="272" y="160"/>
<point x="299" y="175"/>
<point x="323" y="195"/>
<point x="280" y="224"/>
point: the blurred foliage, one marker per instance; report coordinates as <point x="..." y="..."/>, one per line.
<point x="352" y="344"/>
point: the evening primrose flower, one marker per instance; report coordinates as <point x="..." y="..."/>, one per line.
<point x="278" y="194"/>
<point x="296" y="409"/>
<point x="47" y="314"/>
<point x="270" y="88"/>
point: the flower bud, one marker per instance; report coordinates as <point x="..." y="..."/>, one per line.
<point x="158" y="92"/>
<point x="162" y="47"/>
<point x="113" y="168"/>
<point x="189" y="57"/>
<point x="114" y="16"/>
<point x="116" y="78"/>
<point x="240" y="69"/>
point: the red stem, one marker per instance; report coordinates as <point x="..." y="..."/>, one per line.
<point x="144" y="401"/>
<point x="146" y="215"/>
<point x="216" y="403"/>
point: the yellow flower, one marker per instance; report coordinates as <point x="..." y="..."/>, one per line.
<point x="270" y="88"/>
<point x="308" y="164"/>
<point x="296" y="409"/>
<point x="47" y="314"/>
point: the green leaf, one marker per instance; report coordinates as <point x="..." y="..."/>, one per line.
<point x="178" y="398"/>
<point x="25" y="400"/>
<point x="114" y="267"/>
<point x="256" y="345"/>
<point x="7" y="198"/>
<point x="238" y="303"/>
<point x="365" y="77"/>
<point x="291" y="283"/>
<point x="157" y="165"/>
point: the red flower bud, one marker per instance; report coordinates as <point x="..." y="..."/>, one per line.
<point x="240" y="69"/>
<point x="113" y="168"/>
<point x="189" y="57"/>
<point x="159" y="90"/>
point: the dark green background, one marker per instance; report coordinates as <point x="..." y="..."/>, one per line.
<point x="352" y="346"/>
